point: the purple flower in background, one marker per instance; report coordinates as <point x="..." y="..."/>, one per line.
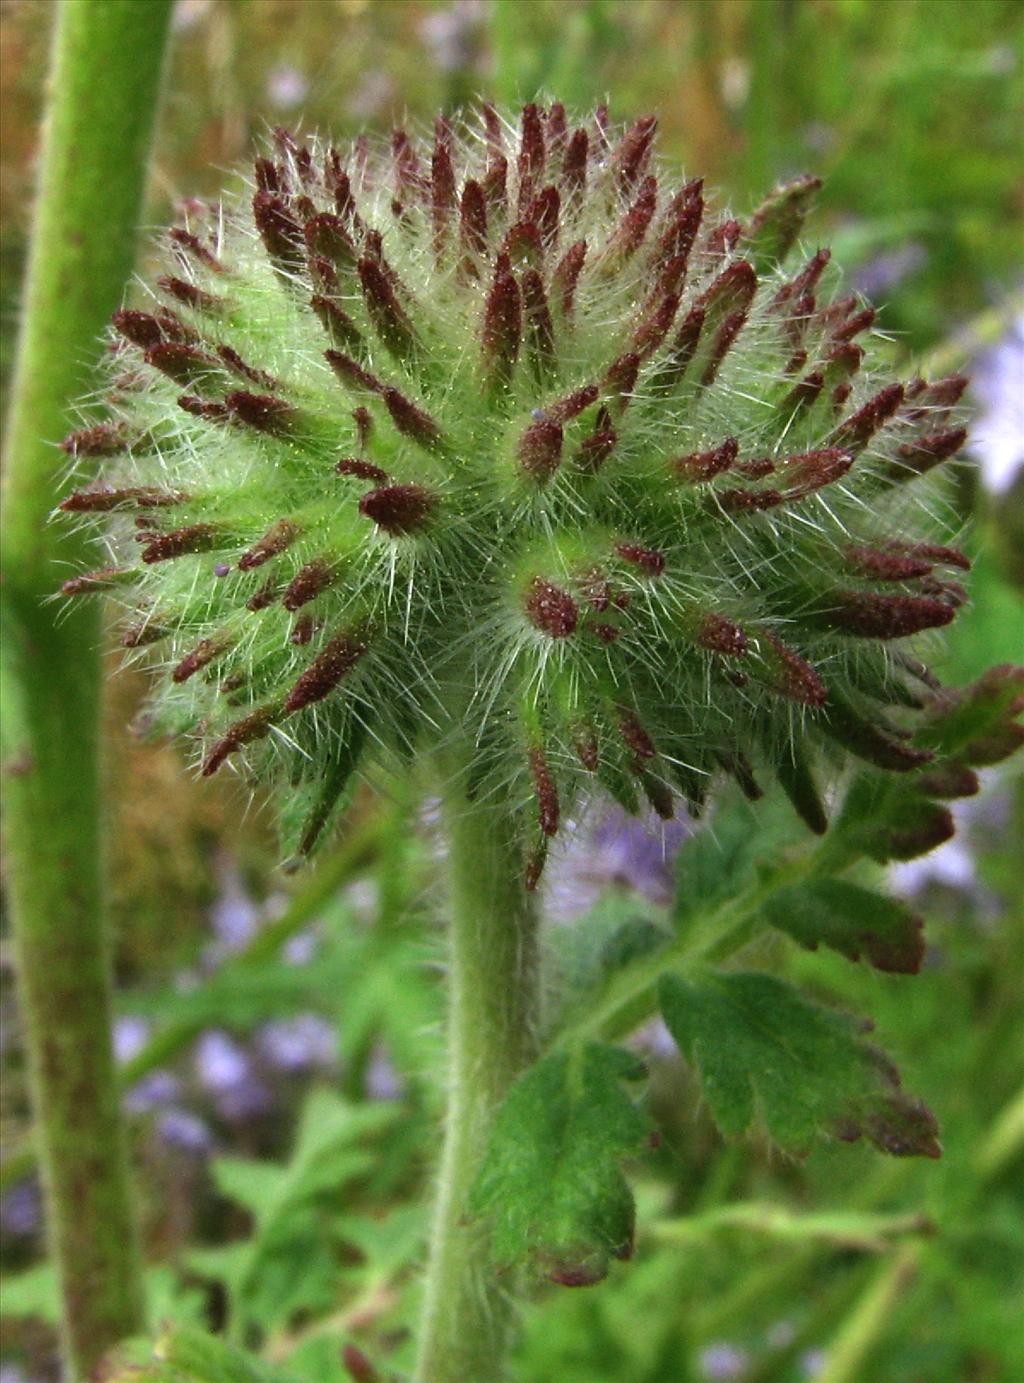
<point x="887" y="270"/>
<point x="454" y="35"/>
<point x="382" y="1080"/>
<point x="298" y="1044"/>
<point x="225" y="1070"/>
<point x="129" y="1037"/>
<point x="610" y="848"/>
<point x="287" y="87"/>
<point x="234" y="916"/>
<point x="180" y="1129"/>
<point x="156" y="1089"/>
<point x="997" y="435"/>
<point x="723" y="1361"/>
<point x="21" y="1210"/>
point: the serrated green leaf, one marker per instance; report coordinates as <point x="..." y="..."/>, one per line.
<point x="723" y="858"/>
<point x="287" y="1264"/>
<point x="551" y="1184"/>
<point x="888" y="818"/>
<point x="978" y="725"/>
<point x="202" y="1358"/>
<point x="766" y="1054"/>
<point x="777" y="222"/>
<point x="852" y="920"/>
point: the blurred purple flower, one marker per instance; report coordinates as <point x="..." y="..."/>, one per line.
<point x="225" y="1070"/>
<point x="382" y="1079"/>
<point x="723" y="1361"/>
<point x="610" y="848"/>
<point x="301" y="948"/>
<point x="235" y="918"/>
<point x="156" y="1089"/>
<point x="287" y="87"/>
<point x="180" y="1129"/>
<point x="997" y="434"/>
<point x="454" y="35"/>
<point x="21" y="1210"/>
<point x="130" y="1036"/>
<point x="298" y="1044"/>
<point x="888" y="269"/>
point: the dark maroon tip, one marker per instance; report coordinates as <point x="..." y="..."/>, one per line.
<point x="921" y="455"/>
<point x="277" y="539"/>
<point x="701" y="466"/>
<point x="384" y="310"/>
<point x="326" y="236"/>
<point x="532" y="153"/>
<point x="633" y="152"/>
<point x="635" y="736"/>
<point x="358" y="1367"/>
<point x="540" y="450"/>
<point x="351" y="373"/>
<point x="181" y="362"/>
<point x="648" y="559"/>
<point x="546" y="792"/>
<point x="280" y="232"/>
<point x="102" y="500"/>
<point x="857" y="430"/>
<point x="140" y="328"/>
<point x="412" y="421"/>
<point x="234" y="362"/>
<point x="254" y="726"/>
<point x="326" y="670"/>
<point x="182" y="542"/>
<point x="473" y="218"/>
<point x="263" y="412"/>
<point x="192" y="246"/>
<point x="104" y="439"/>
<point x="190" y="295"/>
<point x="574" y="163"/>
<point x="563" y="410"/>
<point x="721" y="635"/>
<point x="205" y="651"/>
<point x="540" y="333"/>
<point x="631" y="231"/>
<point x="308" y="582"/>
<point x="566" y="276"/>
<point x="550" y="609"/>
<point x="341" y="330"/>
<point x="502" y="330"/>
<point x="868" y="614"/>
<point x="886" y="564"/>
<point x="399" y="509"/>
<point x="621" y="377"/>
<point x="789" y="674"/>
<point x="91" y="582"/>
<point x="813" y="470"/>
<point x="362" y="470"/>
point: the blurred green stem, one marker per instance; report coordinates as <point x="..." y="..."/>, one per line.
<point x="493" y="974"/>
<point x="352" y="856"/>
<point x="104" y="83"/>
<point x="870" y="1318"/>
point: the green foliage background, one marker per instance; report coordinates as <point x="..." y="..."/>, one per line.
<point x="839" y="1265"/>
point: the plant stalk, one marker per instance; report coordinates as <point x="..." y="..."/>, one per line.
<point x="468" y="1311"/>
<point x="104" y="83"/>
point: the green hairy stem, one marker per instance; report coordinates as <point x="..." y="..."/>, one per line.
<point x="468" y="1313"/>
<point x="104" y="81"/>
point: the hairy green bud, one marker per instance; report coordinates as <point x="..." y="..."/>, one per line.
<point x="512" y="435"/>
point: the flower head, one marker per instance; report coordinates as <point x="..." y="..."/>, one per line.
<point x="510" y="433"/>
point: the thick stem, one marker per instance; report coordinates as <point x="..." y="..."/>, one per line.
<point x="468" y="1310"/>
<point x="103" y="93"/>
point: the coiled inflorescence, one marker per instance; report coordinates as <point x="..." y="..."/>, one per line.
<point x="510" y="435"/>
